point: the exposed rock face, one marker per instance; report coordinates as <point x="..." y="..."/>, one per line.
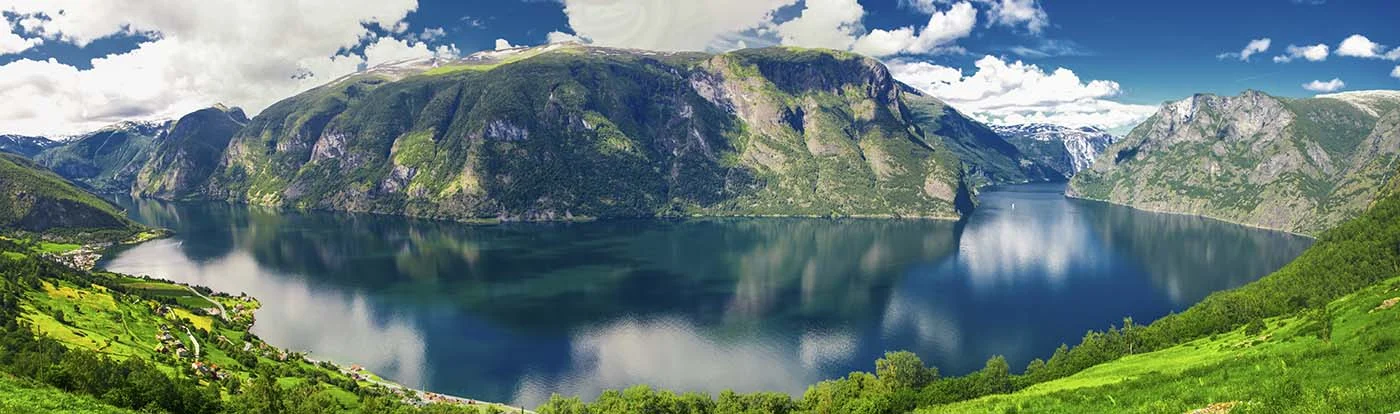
<point x="990" y="159"/>
<point x="1067" y="150"/>
<point x="560" y="132"/>
<point x="183" y="159"/>
<point x="1300" y="165"/>
<point x="571" y="131"/>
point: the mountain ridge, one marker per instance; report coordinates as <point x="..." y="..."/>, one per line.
<point x="1298" y="165"/>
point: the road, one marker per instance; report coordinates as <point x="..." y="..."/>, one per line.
<point x="223" y="313"/>
<point x="192" y="340"/>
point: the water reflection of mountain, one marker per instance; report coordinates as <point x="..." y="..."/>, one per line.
<point x="556" y="276"/>
<point x="749" y="304"/>
<point x="1189" y="257"/>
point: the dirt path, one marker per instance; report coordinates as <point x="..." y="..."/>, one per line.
<point x="223" y="313"/>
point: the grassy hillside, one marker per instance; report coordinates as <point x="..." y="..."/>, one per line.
<point x="155" y="346"/>
<point x="33" y="199"/>
<point x="1341" y="358"/>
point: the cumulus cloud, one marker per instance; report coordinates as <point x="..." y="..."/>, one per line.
<point x="502" y="44"/>
<point x="11" y="42"/>
<point x="1395" y="73"/>
<point x="1362" y="47"/>
<point x="1314" y="53"/>
<point x="824" y="23"/>
<point x="942" y="30"/>
<point x="836" y="24"/>
<point x="1004" y="92"/>
<point x="1018" y="13"/>
<point x="666" y="24"/>
<point x="248" y="53"/>
<point x="1012" y="13"/>
<point x="561" y="37"/>
<point x="1328" y="86"/>
<point x="1255" y="46"/>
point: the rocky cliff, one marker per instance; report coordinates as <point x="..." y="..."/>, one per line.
<point x="182" y="160"/>
<point x="563" y="132"/>
<point x="1300" y="165"/>
<point x="1067" y="150"/>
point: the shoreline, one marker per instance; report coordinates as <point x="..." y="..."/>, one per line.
<point x="421" y="396"/>
<point x="1204" y="216"/>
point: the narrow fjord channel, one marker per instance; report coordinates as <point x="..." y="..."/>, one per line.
<point x="515" y="312"/>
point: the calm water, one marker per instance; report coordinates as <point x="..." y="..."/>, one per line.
<point x="515" y="312"/>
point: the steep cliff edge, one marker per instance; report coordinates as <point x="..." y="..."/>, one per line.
<point x="1300" y="165"/>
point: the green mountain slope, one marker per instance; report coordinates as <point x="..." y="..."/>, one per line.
<point x="989" y="157"/>
<point x="1300" y="165"/>
<point x="184" y="158"/>
<point x="106" y="160"/>
<point x="571" y="131"/>
<point x="33" y="199"/>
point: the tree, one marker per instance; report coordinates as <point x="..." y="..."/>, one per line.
<point x="263" y="396"/>
<point x="995" y="376"/>
<point x="903" y="371"/>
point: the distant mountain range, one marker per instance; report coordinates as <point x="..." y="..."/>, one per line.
<point x="1067" y="150"/>
<point x="1300" y="165"/>
<point x="569" y="131"/>
<point x="25" y="145"/>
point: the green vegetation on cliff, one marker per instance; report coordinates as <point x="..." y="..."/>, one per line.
<point x="566" y="132"/>
<point x="185" y="157"/>
<point x="112" y="343"/>
<point x="1301" y="165"/>
<point x="35" y="200"/>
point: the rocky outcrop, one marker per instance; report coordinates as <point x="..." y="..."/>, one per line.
<point x="184" y="158"/>
<point x="1067" y="150"/>
<point x="563" y="132"/>
<point x="1300" y="165"/>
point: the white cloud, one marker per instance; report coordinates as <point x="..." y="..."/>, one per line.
<point x="1013" y="93"/>
<point x="824" y="23"/>
<point x="502" y="44"/>
<point x="248" y="53"/>
<point x="1328" y="86"/>
<point x="1004" y="12"/>
<point x="1018" y="12"/>
<point x="11" y="42"/>
<point x="942" y="30"/>
<point x="666" y="24"/>
<point x="1254" y="47"/>
<point x="1359" y="46"/>
<point x="561" y="37"/>
<point x="432" y="33"/>
<point x="1314" y="53"/>
<point x="1395" y="73"/>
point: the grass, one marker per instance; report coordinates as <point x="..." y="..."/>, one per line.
<point x="1286" y="367"/>
<point x="58" y="248"/>
<point x="19" y="396"/>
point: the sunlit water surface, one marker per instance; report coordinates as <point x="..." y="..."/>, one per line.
<point x="516" y="312"/>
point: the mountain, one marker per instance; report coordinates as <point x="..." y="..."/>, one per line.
<point x="33" y="199"/>
<point x="1300" y="165"/>
<point x="105" y="160"/>
<point x="1067" y="150"/>
<point x="568" y="131"/>
<point x="25" y="145"/>
<point x="180" y="163"/>
<point x="990" y="157"/>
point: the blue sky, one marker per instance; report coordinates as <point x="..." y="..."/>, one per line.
<point x="1105" y="63"/>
